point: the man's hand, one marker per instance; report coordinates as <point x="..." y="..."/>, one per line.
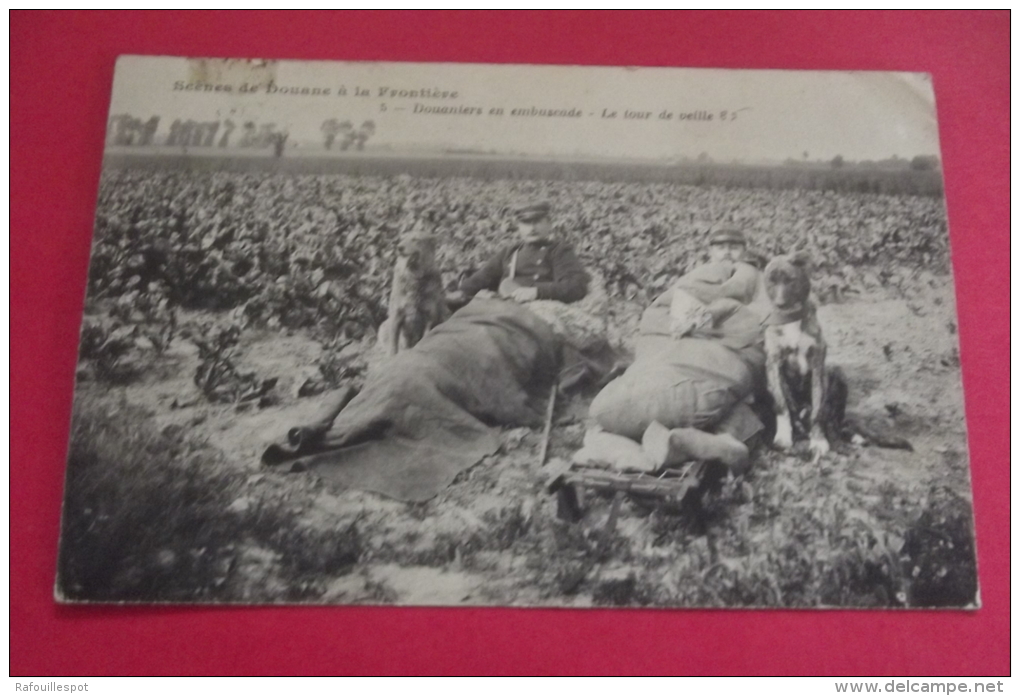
<point x="457" y="298"/>
<point x="511" y="290"/>
<point x="524" y="294"/>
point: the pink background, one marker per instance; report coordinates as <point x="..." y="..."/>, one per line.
<point x="61" y="72"/>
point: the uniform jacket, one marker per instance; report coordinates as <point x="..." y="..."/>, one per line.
<point x="550" y="266"/>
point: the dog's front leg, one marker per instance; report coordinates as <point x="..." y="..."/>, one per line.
<point x="396" y="328"/>
<point x="817" y="441"/>
<point x="773" y="362"/>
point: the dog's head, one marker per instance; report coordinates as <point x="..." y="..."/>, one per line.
<point x="788" y="280"/>
<point x="418" y="248"/>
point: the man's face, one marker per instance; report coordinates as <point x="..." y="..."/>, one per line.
<point x="531" y="231"/>
<point x="726" y="251"/>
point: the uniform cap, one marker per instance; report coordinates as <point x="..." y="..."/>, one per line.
<point x="727" y="235"/>
<point x="533" y="212"/>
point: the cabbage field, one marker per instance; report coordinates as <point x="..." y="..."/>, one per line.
<point x="222" y="304"/>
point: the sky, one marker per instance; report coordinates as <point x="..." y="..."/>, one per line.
<point x="728" y="114"/>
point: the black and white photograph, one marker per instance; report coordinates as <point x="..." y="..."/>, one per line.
<point x="514" y="335"/>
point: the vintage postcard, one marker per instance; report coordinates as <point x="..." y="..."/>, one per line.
<point x="440" y="334"/>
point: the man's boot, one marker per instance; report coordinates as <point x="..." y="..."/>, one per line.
<point x="615" y="450"/>
<point x="665" y="447"/>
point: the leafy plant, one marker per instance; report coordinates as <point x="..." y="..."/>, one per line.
<point x="341" y="367"/>
<point x="217" y="375"/>
<point x="109" y="345"/>
<point x="152" y="311"/>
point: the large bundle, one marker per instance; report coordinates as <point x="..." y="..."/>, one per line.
<point x="693" y="381"/>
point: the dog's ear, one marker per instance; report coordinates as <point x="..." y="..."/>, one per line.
<point x="801" y="258"/>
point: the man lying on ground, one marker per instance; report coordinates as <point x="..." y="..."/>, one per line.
<point x="698" y="361"/>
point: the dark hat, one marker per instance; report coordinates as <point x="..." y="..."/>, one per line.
<point x="533" y="212"/>
<point x="727" y="235"/>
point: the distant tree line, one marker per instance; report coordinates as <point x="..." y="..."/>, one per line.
<point x="920" y="163"/>
<point x="125" y="130"/>
<point x="349" y="136"/>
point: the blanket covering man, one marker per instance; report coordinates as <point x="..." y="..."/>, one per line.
<point x="426" y="414"/>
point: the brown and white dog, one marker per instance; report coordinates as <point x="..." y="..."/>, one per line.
<point x="809" y="398"/>
<point x="417" y="299"/>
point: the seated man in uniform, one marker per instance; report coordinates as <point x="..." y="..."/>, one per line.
<point x="544" y="272"/>
<point x="536" y="267"/>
